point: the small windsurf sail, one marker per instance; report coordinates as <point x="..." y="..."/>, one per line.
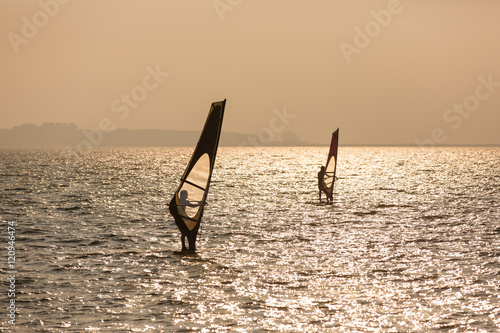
<point x="189" y="199"/>
<point x="331" y="166"/>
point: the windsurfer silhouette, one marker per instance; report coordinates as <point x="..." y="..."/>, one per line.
<point x="321" y="181"/>
<point x="183" y="198"/>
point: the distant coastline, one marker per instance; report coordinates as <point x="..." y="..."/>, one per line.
<point x="69" y="135"/>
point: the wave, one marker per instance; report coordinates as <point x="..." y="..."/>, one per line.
<point x="70" y="208"/>
<point x="434" y="217"/>
<point x="18" y="189"/>
<point x="386" y="206"/>
<point x="371" y="212"/>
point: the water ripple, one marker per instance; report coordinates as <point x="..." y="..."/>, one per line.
<point x="409" y="244"/>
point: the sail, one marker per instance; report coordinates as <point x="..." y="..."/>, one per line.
<point x="189" y="199"/>
<point x="331" y="166"/>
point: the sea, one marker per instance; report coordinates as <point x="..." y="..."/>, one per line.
<point x="410" y="243"/>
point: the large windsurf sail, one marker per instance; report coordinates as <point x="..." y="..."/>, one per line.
<point x="189" y="200"/>
<point x="331" y="166"/>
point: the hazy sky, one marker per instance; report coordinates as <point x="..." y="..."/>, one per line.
<point x="382" y="71"/>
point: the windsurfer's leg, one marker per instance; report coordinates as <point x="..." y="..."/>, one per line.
<point x="183" y="241"/>
<point x="192" y="246"/>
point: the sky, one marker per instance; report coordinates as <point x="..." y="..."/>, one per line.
<point x="385" y="72"/>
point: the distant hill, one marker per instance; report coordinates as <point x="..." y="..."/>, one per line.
<point x="68" y="134"/>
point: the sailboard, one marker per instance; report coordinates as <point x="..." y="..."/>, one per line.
<point x="331" y="166"/>
<point x="189" y="200"/>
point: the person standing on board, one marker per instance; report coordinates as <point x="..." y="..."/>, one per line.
<point x="183" y="198"/>
<point x="321" y="181"/>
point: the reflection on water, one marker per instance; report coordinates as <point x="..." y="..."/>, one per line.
<point x="411" y="242"/>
